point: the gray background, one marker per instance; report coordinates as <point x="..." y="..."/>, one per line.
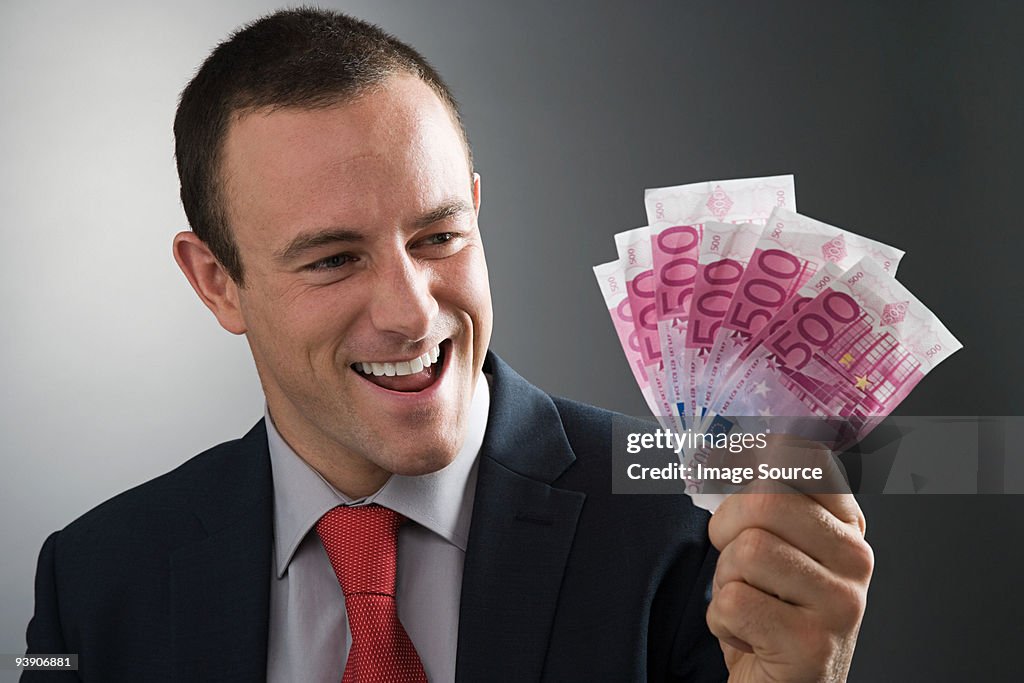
<point x="901" y="121"/>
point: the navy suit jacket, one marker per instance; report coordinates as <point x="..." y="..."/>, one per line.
<point x="563" y="581"/>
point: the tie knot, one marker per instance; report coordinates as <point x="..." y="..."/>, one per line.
<point x="362" y="544"/>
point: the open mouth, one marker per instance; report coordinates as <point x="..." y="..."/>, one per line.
<point x="408" y="375"/>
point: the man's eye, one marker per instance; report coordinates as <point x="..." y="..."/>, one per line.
<point x="331" y="262"/>
<point x="440" y="238"/>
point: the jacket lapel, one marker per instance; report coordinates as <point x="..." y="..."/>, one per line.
<point x="520" y="536"/>
<point x="220" y="585"/>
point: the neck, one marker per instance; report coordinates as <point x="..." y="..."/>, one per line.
<point x="355" y="478"/>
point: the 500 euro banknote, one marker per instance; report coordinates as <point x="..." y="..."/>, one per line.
<point x="634" y="249"/>
<point x="724" y="253"/>
<point x="854" y="352"/>
<point x="677" y="216"/>
<point x="792" y="250"/>
<point x="612" y="281"/>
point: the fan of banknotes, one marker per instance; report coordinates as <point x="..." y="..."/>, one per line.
<point x="729" y="304"/>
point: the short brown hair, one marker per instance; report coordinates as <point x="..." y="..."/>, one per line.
<point x="301" y="57"/>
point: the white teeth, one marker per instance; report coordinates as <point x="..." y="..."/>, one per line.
<point x="400" y="368"/>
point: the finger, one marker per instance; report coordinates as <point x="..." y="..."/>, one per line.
<point x="769" y="564"/>
<point x="741" y="614"/>
<point x="804" y="465"/>
<point x="799" y="521"/>
<point x="831" y="491"/>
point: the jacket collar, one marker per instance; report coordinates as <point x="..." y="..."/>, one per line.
<point x="219" y="589"/>
<point x="520" y="536"/>
<point x="523" y="422"/>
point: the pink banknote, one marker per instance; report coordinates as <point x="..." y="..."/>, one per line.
<point x="612" y="281"/>
<point x="635" y="258"/>
<point x="724" y="252"/>
<point x="855" y="351"/>
<point x="742" y="200"/>
<point x="676" y="253"/>
<point x="792" y="251"/>
<point x="676" y="216"/>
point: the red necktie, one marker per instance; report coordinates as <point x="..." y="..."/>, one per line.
<point x="362" y="543"/>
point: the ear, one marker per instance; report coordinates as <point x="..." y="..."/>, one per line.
<point x="211" y="282"/>
<point x="476" y="193"/>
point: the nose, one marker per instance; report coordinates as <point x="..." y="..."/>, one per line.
<point x="402" y="302"/>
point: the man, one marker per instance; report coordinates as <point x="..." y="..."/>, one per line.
<point x="329" y="185"/>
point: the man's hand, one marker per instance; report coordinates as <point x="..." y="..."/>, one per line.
<point x="792" y="579"/>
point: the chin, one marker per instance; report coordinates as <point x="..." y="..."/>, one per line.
<point x="423" y="462"/>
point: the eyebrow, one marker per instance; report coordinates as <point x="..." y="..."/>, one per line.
<point x="315" y="239"/>
<point x="449" y="208"/>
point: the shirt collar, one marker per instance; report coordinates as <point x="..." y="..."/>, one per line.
<point x="441" y="501"/>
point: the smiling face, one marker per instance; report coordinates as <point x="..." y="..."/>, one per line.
<point x="357" y="229"/>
